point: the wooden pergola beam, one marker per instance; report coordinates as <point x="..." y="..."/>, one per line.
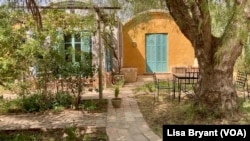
<point x="73" y="7"/>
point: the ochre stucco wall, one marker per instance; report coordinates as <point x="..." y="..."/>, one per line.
<point x="180" y="50"/>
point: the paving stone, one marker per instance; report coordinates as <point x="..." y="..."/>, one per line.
<point x="123" y="125"/>
<point x="140" y="119"/>
<point x="151" y="135"/>
<point x="124" y="134"/>
<point x="114" y="124"/>
<point x="139" y="137"/>
<point x="112" y="134"/>
<point x="134" y="130"/>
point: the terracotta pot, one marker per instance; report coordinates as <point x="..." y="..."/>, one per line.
<point x="116" y="102"/>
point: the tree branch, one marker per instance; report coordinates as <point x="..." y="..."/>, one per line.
<point x="179" y="10"/>
<point x="31" y="5"/>
<point x="193" y="18"/>
<point x="235" y="35"/>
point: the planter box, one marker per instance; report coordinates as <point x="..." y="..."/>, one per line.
<point x="130" y="74"/>
<point x="116" y="102"/>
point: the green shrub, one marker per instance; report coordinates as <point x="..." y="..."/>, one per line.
<point x="37" y="102"/>
<point x="63" y="99"/>
<point x="71" y="133"/>
<point x="102" y="137"/>
<point x="89" y="105"/>
<point x="19" y="137"/>
<point x="31" y="103"/>
<point x="10" y="106"/>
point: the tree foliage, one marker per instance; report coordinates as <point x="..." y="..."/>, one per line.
<point x="12" y="41"/>
<point x="23" y="46"/>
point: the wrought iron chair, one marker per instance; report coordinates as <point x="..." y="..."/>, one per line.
<point x="193" y="69"/>
<point x="241" y="83"/>
<point x="180" y="69"/>
<point x="189" y="82"/>
<point x="159" y="84"/>
<point x="248" y="89"/>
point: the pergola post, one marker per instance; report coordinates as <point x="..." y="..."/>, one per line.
<point x="100" y="53"/>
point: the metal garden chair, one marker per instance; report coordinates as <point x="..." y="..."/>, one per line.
<point x="166" y="84"/>
<point x="241" y="83"/>
<point x="191" y="79"/>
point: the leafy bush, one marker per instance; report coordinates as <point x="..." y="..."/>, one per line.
<point x="10" y="106"/>
<point x="89" y="105"/>
<point x="19" y="137"/>
<point x="37" y="102"/>
<point x="71" y="133"/>
<point x="31" y="103"/>
<point x="45" y="101"/>
<point x="63" y="99"/>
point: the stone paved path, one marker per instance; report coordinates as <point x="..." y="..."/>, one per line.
<point x="127" y="122"/>
<point x="122" y="124"/>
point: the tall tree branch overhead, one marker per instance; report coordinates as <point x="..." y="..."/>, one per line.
<point x="32" y="6"/>
<point x="195" y="19"/>
<point x="180" y="12"/>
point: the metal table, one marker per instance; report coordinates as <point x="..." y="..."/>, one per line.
<point x="183" y="78"/>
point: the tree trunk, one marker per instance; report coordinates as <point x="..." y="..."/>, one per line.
<point x="215" y="90"/>
<point x="216" y="55"/>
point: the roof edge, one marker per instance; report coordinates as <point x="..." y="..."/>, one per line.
<point x="145" y="12"/>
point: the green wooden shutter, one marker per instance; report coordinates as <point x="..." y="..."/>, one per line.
<point x="86" y="48"/>
<point x="156" y="52"/>
<point x="108" y="59"/>
<point x="161" y="53"/>
<point x="150" y="53"/>
<point x="61" y="47"/>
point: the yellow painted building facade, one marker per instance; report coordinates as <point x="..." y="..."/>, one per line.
<point x="150" y="30"/>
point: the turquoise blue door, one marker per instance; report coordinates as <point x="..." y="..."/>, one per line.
<point x="156" y="53"/>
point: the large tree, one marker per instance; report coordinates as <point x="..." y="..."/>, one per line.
<point x="216" y="55"/>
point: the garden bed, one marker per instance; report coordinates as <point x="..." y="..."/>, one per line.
<point x="88" y="108"/>
<point x="95" y="105"/>
<point x="72" y="133"/>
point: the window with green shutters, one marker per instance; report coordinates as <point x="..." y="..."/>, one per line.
<point x="77" y="47"/>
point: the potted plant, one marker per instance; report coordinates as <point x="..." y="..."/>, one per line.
<point x="118" y="80"/>
<point x="116" y="101"/>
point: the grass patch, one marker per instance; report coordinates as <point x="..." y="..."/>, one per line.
<point x="95" y="105"/>
<point x="169" y="111"/>
<point x="146" y="88"/>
